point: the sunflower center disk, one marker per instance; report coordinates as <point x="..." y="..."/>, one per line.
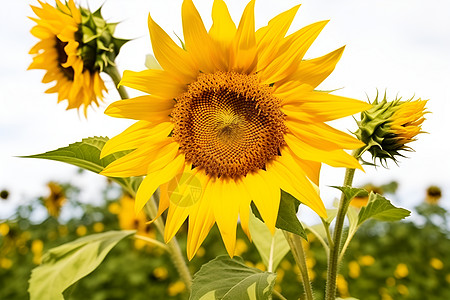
<point x="62" y="59"/>
<point x="228" y="124"/>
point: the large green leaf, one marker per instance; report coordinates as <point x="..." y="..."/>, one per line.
<point x="64" y="265"/>
<point x="287" y="215"/>
<point x="230" y="279"/>
<point x="86" y="155"/>
<point x="382" y="209"/>
<point x="272" y="248"/>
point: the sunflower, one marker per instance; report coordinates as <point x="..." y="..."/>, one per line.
<point x="58" y="52"/>
<point x="231" y="118"/>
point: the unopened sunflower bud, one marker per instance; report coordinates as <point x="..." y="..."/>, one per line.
<point x="388" y="127"/>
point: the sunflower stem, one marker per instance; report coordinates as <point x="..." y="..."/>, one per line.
<point x="114" y="73"/>
<point x="278" y="294"/>
<point x="335" y="246"/>
<point x="295" y="243"/>
<point x="173" y="246"/>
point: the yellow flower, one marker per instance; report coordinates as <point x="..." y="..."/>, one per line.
<point x="129" y="220"/>
<point x="388" y="127"/>
<point x="176" y="288"/>
<point x="436" y="263"/>
<point x="231" y="118"/>
<point x="37" y="246"/>
<point x="55" y="200"/>
<point x="354" y="269"/>
<point x="401" y="271"/>
<point x="366" y="260"/>
<point x="70" y="54"/>
<point x="434" y="194"/>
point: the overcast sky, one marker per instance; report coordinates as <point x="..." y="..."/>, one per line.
<point x="402" y="46"/>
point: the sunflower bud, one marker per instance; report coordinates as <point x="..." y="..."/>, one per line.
<point x="98" y="47"/>
<point x="388" y="127"/>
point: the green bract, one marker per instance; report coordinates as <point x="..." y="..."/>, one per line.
<point x="98" y="47"/>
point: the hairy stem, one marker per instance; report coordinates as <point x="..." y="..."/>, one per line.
<point x="174" y="248"/>
<point x="295" y="243"/>
<point x="335" y="247"/>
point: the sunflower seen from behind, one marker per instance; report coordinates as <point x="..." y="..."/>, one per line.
<point x="232" y="117"/>
<point x="75" y="46"/>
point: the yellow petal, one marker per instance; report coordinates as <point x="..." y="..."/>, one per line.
<point x="334" y="158"/>
<point x="135" y="135"/>
<point x="266" y="195"/>
<point x="155" y="82"/>
<point x="243" y="54"/>
<point x="225" y="199"/>
<point x="222" y="33"/>
<point x="291" y="53"/>
<point x="271" y="36"/>
<point x="314" y="71"/>
<point x="198" y="42"/>
<point x="153" y="180"/>
<point x="311" y="168"/>
<point x="244" y="207"/>
<point x="201" y="220"/>
<point x="296" y="184"/>
<point x="163" y="202"/>
<point x="323" y="136"/>
<point x="136" y="162"/>
<point x="149" y="108"/>
<point x="171" y="57"/>
<point x="320" y="106"/>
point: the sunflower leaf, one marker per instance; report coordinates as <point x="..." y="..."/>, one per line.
<point x="350" y="192"/>
<point x="241" y="281"/>
<point x="66" y="264"/>
<point x="382" y="209"/>
<point x="287" y="215"/>
<point x="86" y="155"/>
<point x="272" y="248"/>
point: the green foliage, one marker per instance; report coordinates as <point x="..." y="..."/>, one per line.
<point x="230" y="279"/>
<point x="86" y="155"/>
<point x="65" y="265"/>
<point x="272" y="248"/>
<point x="380" y="208"/>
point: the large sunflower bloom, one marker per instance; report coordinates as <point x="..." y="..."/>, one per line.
<point x="235" y="116"/>
<point x="57" y="52"/>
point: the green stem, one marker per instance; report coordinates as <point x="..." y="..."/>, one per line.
<point x="151" y="241"/>
<point x="173" y="246"/>
<point x="278" y="295"/>
<point x="113" y="72"/>
<point x="295" y="243"/>
<point x="333" y="264"/>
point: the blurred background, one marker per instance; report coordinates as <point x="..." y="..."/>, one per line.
<point x="401" y="47"/>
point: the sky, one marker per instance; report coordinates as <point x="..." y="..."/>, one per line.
<point x="398" y="46"/>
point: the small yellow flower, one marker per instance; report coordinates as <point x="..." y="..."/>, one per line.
<point x="5" y="263"/>
<point x="55" y="200"/>
<point x="354" y="269"/>
<point x="436" y="263"/>
<point x="161" y="273"/>
<point x="434" y="194"/>
<point x="403" y="290"/>
<point x="241" y="247"/>
<point x="4" y="229"/>
<point x="37" y="246"/>
<point x="234" y="117"/>
<point x="388" y="127"/>
<point x="366" y="260"/>
<point x="81" y="230"/>
<point x="342" y="286"/>
<point x="98" y="227"/>
<point x="401" y="271"/>
<point x="176" y="288"/>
